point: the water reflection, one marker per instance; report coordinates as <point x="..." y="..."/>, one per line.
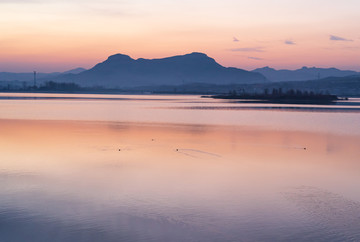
<point x="126" y="181"/>
<point x="192" y="110"/>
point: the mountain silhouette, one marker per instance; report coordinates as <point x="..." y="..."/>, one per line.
<point x="302" y="74"/>
<point x="121" y="71"/>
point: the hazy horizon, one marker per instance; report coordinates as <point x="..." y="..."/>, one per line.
<point x="53" y="36"/>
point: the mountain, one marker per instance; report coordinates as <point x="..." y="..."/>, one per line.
<point x="29" y="76"/>
<point x="121" y="71"/>
<point x="302" y="74"/>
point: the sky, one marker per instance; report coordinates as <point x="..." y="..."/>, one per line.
<point x="57" y="35"/>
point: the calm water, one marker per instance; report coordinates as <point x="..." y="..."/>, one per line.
<point x="177" y="168"/>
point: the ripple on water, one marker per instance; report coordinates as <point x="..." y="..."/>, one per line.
<point x="338" y="215"/>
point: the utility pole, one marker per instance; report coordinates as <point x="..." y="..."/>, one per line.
<point x="34" y="78"/>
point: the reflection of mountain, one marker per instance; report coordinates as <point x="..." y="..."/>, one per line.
<point x="122" y="71"/>
<point x="302" y="74"/>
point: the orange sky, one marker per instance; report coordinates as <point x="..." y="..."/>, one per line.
<point x="59" y="35"/>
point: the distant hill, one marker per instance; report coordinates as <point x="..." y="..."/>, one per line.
<point x="342" y="86"/>
<point x="29" y="76"/>
<point x="74" y="71"/>
<point x="302" y="74"/>
<point x="121" y="71"/>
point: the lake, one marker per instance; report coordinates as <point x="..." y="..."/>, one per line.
<point x="87" y="167"/>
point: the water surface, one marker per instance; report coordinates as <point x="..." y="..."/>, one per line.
<point x="176" y="168"/>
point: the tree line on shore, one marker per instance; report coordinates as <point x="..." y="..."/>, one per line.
<point x="278" y="93"/>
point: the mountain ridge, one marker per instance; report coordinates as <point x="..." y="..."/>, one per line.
<point x="120" y="70"/>
<point x="302" y="74"/>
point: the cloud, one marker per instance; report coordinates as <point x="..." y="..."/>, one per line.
<point x="289" y="42"/>
<point x="29" y="1"/>
<point x="235" y="39"/>
<point x="18" y="1"/>
<point x="254" y="58"/>
<point x="62" y="1"/>
<point x="107" y="8"/>
<point x="253" y="49"/>
<point x="337" y="38"/>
